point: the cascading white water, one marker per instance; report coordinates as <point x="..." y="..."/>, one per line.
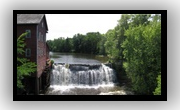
<point x="80" y="79"/>
<point x="82" y="75"/>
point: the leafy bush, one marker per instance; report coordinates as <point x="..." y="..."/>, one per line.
<point x="24" y="66"/>
<point x="158" y="88"/>
<point x="52" y="61"/>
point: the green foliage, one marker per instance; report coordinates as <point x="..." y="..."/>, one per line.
<point x="24" y="66"/>
<point x="101" y="46"/>
<point x="87" y="43"/>
<point x="139" y="19"/>
<point x="142" y="51"/>
<point x="60" y="45"/>
<point x="111" y="45"/>
<point x="135" y="44"/>
<point x="92" y="43"/>
<point x="52" y="61"/>
<point x="158" y="88"/>
<point x="20" y="43"/>
<point x="115" y="37"/>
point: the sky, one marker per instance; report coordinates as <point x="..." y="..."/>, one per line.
<point x="67" y="25"/>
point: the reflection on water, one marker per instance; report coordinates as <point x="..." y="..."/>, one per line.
<point x="77" y="58"/>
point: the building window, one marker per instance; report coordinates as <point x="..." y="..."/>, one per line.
<point x="29" y="34"/>
<point x="28" y="52"/>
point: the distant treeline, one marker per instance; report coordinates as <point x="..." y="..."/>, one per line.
<point x="91" y="43"/>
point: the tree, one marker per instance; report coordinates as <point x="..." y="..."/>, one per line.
<point x="111" y="45"/>
<point x="50" y="44"/>
<point x="123" y="25"/>
<point x="101" y="47"/>
<point x="24" y="66"/>
<point x="139" y="19"/>
<point x="115" y="38"/>
<point x="158" y="88"/>
<point x="142" y="51"/>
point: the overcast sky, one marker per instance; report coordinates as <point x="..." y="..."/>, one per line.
<point x="67" y="25"/>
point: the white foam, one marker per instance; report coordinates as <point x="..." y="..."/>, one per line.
<point x="114" y="93"/>
<point x="66" y="88"/>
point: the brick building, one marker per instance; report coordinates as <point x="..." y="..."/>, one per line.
<point x="36" y="47"/>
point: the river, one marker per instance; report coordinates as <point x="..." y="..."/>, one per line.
<point x="82" y="74"/>
<point x="77" y="58"/>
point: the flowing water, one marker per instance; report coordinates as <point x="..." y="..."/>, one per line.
<point x="72" y="75"/>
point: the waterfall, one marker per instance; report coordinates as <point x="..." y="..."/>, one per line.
<point x="88" y="75"/>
